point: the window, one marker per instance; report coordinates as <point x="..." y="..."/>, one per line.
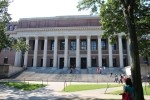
<point x="42" y="44"/>
<point x="83" y="45"/>
<point x="33" y="43"/>
<point x="5" y="60"/>
<point x="10" y="28"/>
<point x="52" y="45"/>
<point x="93" y="45"/>
<point x="72" y="45"/>
<point x="15" y="26"/>
<point x="114" y="62"/>
<point x="103" y="43"/>
<point x="114" y="47"/>
<point x="62" y="44"/>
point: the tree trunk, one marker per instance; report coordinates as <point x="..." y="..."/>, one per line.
<point x="135" y="66"/>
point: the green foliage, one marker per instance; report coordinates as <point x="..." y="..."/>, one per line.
<point x="20" y="45"/>
<point x="5" y="40"/>
<point x="81" y="87"/>
<point x="23" y="86"/>
<point x="4" y="19"/>
<point x="94" y="5"/>
<point x="113" y="22"/>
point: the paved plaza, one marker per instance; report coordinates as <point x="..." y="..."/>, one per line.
<point x="56" y="81"/>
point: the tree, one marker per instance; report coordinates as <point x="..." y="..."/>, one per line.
<point x="129" y="17"/>
<point x="4" y="19"/>
<point x="5" y="40"/>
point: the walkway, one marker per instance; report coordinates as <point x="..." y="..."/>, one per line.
<point x="54" y="92"/>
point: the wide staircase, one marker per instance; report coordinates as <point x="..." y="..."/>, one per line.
<point x="61" y="75"/>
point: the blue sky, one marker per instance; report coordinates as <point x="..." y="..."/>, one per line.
<point x="43" y="8"/>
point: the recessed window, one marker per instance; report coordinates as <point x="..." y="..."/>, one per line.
<point x="83" y="45"/>
<point x="10" y="28"/>
<point x="72" y="45"/>
<point x="103" y="43"/>
<point x="93" y="45"/>
<point x="52" y="45"/>
<point x="62" y="44"/>
<point x="42" y="44"/>
<point x="114" y="46"/>
<point x="5" y="60"/>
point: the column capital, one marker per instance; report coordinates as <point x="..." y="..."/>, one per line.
<point x="36" y="37"/>
<point x="66" y="36"/>
<point x="119" y="35"/>
<point x="100" y="36"/>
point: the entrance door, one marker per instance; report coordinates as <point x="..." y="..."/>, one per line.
<point x="83" y="63"/>
<point x="73" y="62"/>
<point x="94" y="62"/>
<point x="61" y="63"/>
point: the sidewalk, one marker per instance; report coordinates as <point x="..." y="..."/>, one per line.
<point x="54" y="92"/>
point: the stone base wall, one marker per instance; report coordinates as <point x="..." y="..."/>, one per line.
<point x="8" y="70"/>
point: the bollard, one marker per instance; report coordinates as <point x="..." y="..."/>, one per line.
<point x="47" y="81"/>
<point x="64" y="85"/>
<point x="42" y="82"/>
<point x="24" y="80"/>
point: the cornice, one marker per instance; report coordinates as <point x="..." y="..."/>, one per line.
<point x="58" y="29"/>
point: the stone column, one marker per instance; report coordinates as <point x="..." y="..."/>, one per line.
<point x="99" y="51"/>
<point x="55" y="52"/>
<point x="35" y="52"/>
<point x="45" y="52"/>
<point x="110" y="54"/>
<point x="88" y="51"/>
<point x="129" y="53"/>
<point x="66" y="53"/>
<point x="120" y="50"/>
<point x="26" y="54"/>
<point x="78" y="52"/>
<point x="16" y="58"/>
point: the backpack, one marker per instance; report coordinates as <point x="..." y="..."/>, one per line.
<point x="126" y="96"/>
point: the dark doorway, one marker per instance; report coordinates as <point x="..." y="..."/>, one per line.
<point x="83" y="63"/>
<point x="41" y="64"/>
<point x="61" y="63"/>
<point x="73" y="62"/>
<point x="51" y="62"/>
<point x="94" y="64"/>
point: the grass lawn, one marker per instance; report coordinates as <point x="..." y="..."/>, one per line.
<point x="82" y="87"/>
<point x="23" y="86"/>
<point x="146" y="91"/>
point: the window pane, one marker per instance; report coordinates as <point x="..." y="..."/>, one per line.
<point x="103" y="44"/>
<point x="73" y="45"/>
<point x="62" y="45"/>
<point x="52" y="45"/>
<point x="93" y="45"/>
<point x="83" y="45"/>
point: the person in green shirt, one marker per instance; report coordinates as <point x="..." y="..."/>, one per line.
<point x="128" y="88"/>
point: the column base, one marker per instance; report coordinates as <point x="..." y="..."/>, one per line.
<point x="65" y="68"/>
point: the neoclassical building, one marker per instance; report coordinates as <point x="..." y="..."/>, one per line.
<point x="64" y="41"/>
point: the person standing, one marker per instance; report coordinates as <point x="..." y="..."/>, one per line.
<point x="128" y="93"/>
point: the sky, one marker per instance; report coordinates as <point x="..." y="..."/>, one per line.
<point x="43" y="8"/>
